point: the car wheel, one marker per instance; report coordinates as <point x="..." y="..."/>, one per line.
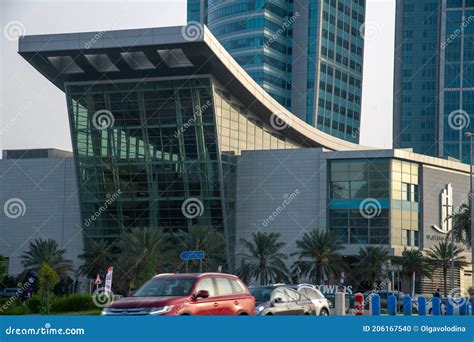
<point x="243" y="314"/>
<point x="324" y="312"/>
<point x="430" y="311"/>
<point x="269" y="314"/>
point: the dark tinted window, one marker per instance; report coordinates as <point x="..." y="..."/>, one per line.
<point x="261" y="294"/>
<point x="166" y="286"/>
<point x="207" y="285"/>
<point x="224" y="287"/>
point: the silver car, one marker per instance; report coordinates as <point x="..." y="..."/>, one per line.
<point x="320" y="303"/>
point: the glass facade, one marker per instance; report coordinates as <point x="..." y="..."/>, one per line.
<point x="246" y="29"/>
<point x="340" y="70"/>
<point x="405" y="203"/>
<point x="458" y="81"/>
<point x="416" y="61"/>
<point x="434" y="100"/>
<point x="352" y="183"/>
<point x="259" y="35"/>
<point x="165" y="141"/>
<point x="374" y="201"/>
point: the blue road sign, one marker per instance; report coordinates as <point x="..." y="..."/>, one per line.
<point x="192" y="255"/>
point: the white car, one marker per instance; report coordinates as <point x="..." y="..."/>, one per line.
<point x="320" y="303"/>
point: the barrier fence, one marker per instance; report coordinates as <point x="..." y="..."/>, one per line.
<point x="450" y="306"/>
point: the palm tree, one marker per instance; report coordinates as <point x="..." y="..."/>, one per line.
<point x="97" y="257"/>
<point x="462" y="224"/>
<point x="264" y="259"/>
<point x="142" y="254"/>
<point x="319" y="256"/>
<point x="439" y="256"/>
<point x="203" y="239"/>
<point x="370" y="262"/>
<point x="46" y="251"/>
<point x="3" y="267"/>
<point x="413" y="263"/>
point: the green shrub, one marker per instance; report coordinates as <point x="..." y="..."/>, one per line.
<point x="15" y="310"/>
<point x="33" y="304"/>
<point x="74" y="302"/>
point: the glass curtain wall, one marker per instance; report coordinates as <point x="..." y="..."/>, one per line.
<point x="142" y="149"/>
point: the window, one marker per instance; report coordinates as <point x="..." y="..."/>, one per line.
<point x="409" y="237"/>
<point x="311" y="294"/>
<point x="207" y="285"/>
<point x="166" y="286"/>
<point x="224" y="287"/>
<point x="280" y="296"/>
<point x="237" y="286"/>
<point x="293" y="296"/>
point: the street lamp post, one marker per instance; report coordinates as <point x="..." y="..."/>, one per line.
<point x="470" y="136"/>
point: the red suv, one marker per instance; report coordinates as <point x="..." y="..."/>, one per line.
<point x="187" y="294"/>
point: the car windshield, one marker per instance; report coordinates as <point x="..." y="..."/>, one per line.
<point x="166" y="286"/>
<point x="261" y="294"/>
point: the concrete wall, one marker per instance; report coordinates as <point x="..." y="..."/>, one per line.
<point x="287" y="185"/>
<point x="48" y="189"/>
<point x="434" y="180"/>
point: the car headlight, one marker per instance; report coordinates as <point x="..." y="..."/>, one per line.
<point x="160" y="310"/>
<point x="259" y="309"/>
<point x="104" y="312"/>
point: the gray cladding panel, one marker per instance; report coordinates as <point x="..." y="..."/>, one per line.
<point x="49" y="192"/>
<point x="265" y="179"/>
<point x="433" y="183"/>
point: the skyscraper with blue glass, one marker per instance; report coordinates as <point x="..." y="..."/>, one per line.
<point x="307" y="54"/>
<point x="434" y="76"/>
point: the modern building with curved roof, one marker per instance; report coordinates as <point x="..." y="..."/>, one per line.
<point x="169" y="132"/>
<point x="158" y="117"/>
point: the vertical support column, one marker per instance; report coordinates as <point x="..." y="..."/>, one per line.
<point x="152" y="184"/>
<point x="340" y="303"/>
